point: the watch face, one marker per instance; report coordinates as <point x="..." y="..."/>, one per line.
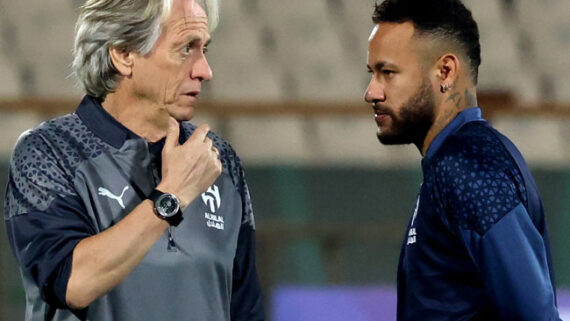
<point x="167" y="205"/>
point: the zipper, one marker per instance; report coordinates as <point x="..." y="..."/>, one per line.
<point x="171" y="247"/>
<point x="171" y="244"/>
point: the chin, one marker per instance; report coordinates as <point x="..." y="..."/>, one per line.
<point x="393" y="139"/>
<point x="181" y="114"/>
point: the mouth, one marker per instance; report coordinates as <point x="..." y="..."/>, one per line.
<point x="380" y="114"/>
<point x="380" y="117"/>
<point x="193" y="94"/>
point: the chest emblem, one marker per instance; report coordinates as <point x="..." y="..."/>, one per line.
<point x="105" y="192"/>
<point x="212" y="199"/>
<point x="213" y="202"/>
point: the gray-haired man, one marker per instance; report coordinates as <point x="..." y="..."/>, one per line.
<point x="123" y="210"/>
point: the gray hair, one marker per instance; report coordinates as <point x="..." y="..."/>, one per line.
<point x="131" y="25"/>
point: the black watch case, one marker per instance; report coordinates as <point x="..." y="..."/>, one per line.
<point x="166" y="206"/>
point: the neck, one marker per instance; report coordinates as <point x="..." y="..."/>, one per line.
<point x="138" y="115"/>
<point x="452" y="102"/>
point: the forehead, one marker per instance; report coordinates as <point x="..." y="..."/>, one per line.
<point x="392" y="42"/>
<point x="187" y="13"/>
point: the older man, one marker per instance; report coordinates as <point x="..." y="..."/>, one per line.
<point x="476" y="246"/>
<point x="123" y="210"/>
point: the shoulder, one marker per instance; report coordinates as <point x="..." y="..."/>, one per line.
<point x="37" y="143"/>
<point x="65" y="138"/>
<point x="478" y="178"/>
<point x="475" y="149"/>
<point x="38" y="172"/>
<point x="49" y="154"/>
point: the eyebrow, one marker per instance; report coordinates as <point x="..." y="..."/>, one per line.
<point x="182" y="41"/>
<point x="380" y="65"/>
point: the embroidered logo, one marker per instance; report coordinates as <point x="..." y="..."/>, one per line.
<point x="107" y="193"/>
<point x="412" y="233"/>
<point x="213" y="201"/>
<point x="211" y="198"/>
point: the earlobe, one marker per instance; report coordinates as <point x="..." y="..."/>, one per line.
<point x="448" y="66"/>
<point x="122" y="60"/>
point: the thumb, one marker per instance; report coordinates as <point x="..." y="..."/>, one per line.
<point x="172" y="134"/>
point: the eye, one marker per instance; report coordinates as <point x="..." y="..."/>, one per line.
<point x="187" y="48"/>
<point x="193" y="45"/>
<point x="388" y="73"/>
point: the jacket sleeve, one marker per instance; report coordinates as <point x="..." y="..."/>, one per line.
<point x="44" y="217"/>
<point x="511" y="258"/>
<point x="246" y="300"/>
<point x="485" y="204"/>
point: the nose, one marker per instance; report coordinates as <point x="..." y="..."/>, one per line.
<point x="374" y="92"/>
<point x="201" y="69"/>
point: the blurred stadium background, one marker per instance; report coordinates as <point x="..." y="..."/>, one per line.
<point x="331" y="203"/>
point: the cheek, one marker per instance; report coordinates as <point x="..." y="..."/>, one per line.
<point x="405" y="87"/>
<point x="181" y="72"/>
<point x="398" y="93"/>
<point x="151" y="75"/>
<point x="172" y="82"/>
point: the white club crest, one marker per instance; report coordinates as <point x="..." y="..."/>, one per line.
<point x="212" y="198"/>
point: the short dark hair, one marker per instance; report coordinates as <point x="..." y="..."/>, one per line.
<point x="446" y="19"/>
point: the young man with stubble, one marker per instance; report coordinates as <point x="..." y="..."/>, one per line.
<point x="476" y="246"/>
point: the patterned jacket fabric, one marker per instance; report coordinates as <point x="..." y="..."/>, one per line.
<point x="77" y="175"/>
<point x="476" y="247"/>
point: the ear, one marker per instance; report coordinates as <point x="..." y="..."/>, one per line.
<point x="447" y="67"/>
<point x="122" y="60"/>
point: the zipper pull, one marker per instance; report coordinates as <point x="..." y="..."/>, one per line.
<point x="171" y="244"/>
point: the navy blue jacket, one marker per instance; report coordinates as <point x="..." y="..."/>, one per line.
<point x="476" y="247"/>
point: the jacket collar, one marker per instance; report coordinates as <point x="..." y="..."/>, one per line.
<point x="464" y="117"/>
<point x="110" y="130"/>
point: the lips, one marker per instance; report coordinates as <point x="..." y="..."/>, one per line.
<point x="380" y="114"/>
<point x="191" y="96"/>
<point x="379" y="117"/>
<point x="194" y="93"/>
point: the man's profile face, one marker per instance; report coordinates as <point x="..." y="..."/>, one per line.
<point x="170" y="76"/>
<point x="399" y="89"/>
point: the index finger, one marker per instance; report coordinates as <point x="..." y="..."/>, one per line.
<point x="200" y="133"/>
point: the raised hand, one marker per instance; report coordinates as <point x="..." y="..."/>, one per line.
<point x="188" y="169"/>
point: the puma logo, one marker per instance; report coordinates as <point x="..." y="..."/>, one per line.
<point x="107" y="193"/>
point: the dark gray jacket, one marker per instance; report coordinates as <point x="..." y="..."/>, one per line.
<point x="77" y="175"/>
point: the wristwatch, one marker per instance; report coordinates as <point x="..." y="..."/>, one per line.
<point x="167" y="207"/>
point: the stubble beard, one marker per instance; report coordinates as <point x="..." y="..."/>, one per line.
<point x="415" y="118"/>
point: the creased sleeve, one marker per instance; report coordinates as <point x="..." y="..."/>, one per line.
<point x="44" y="216"/>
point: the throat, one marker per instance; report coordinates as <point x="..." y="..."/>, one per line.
<point x="141" y="120"/>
